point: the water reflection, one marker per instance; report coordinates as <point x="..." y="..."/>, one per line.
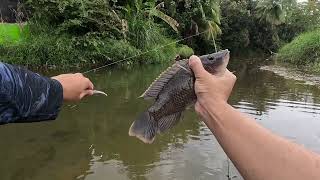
<point x="91" y="141"/>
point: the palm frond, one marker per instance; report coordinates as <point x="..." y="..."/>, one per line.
<point x="169" y="20"/>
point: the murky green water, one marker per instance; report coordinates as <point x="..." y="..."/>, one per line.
<point x="91" y="142"/>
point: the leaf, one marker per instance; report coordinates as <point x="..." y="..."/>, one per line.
<point x="169" y="20"/>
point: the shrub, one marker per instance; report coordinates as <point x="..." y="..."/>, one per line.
<point x="303" y="50"/>
<point x="84" y="33"/>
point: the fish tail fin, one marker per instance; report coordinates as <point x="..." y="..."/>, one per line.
<point x="144" y="128"/>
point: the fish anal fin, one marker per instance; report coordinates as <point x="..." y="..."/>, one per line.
<point x="168" y="122"/>
<point x="158" y="84"/>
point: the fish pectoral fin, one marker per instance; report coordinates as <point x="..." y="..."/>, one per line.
<point x="188" y="71"/>
<point x="168" y="122"/>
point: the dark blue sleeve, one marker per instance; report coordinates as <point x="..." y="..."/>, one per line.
<point x="27" y="97"/>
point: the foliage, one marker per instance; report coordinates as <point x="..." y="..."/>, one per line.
<point x="70" y="51"/>
<point x="147" y="35"/>
<point x="303" y="50"/>
<point x="185" y="51"/>
<point x="76" y="17"/>
<point x="265" y="24"/>
<point x="242" y="30"/>
<point x="300" y="19"/>
<point x="82" y="33"/>
<point x="235" y="18"/>
<point x="41" y="50"/>
<point x="194" y="17"/>
<point x="270" y="11"/>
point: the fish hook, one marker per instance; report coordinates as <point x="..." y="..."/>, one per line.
<point x="99" y="92"/>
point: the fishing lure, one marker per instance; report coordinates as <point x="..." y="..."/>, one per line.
<point x="99" y="92"/>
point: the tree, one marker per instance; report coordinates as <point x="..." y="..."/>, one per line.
<point x="194" y="17"/>
<point x="236" y="23"/>
<point x="211" y="20"/>
<point x="151" y="9"/>
<point x="270" y="11"/>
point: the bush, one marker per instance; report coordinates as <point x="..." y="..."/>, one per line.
<point x="42" y="50"/>
<point x="69" y="51"/>
<point x="76" y="17"/>
<point x="65" y="51"/>
<point x="185" y="51"/>
<point x="301" y="18"/>
<point x="150" y="37"/>
<point x="303" y="50"/>
<point x="83" y="33"/>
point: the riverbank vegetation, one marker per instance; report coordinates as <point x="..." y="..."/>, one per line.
<point x="12" y="33"/>
<point x="96" y="32"/>
<point x="303" y="51"/>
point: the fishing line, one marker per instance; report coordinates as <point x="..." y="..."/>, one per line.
<point x="128" y="58"/>
<point x="139" y="54"/>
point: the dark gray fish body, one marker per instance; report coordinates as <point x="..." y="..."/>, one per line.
<point x="173" y="92"/>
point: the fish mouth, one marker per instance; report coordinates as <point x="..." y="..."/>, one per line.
<point x="216" y="63"/>
<point x="221" y="54"/>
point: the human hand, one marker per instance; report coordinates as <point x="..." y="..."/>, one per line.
<point x="212" y="91"/>
<point x="75" y="86"/>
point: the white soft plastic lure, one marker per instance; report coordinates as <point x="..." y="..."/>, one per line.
<point x="99" y="92"/>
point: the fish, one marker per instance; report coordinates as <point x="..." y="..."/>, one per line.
<point x="173" y="92"/>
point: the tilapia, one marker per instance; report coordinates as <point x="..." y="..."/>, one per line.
<point x="172" y="92"/>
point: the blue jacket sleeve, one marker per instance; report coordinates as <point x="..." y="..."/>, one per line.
<point x="27" y="97"/>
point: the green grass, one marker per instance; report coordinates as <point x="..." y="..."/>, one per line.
<point x="147" y="43"/>
<point x="303" y="51"/>
<point x="12" y="33"/>
<point x="65" y="51"/>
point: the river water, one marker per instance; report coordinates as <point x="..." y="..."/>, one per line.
<point x="91" y="142"/>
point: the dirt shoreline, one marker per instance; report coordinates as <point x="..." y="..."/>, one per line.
<point x="290" y="73"/>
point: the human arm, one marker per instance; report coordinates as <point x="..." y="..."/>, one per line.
<point x="28" y="97"/>
<point x="256" y="152"/>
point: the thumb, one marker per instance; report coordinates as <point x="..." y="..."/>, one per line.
<point x="197" y="67"/>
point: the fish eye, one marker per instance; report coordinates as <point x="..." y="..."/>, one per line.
<point x="211" y="58"/>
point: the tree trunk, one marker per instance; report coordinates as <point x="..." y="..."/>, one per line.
<point x="8" y="9"/>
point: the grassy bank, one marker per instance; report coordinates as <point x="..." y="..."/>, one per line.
<point x="12" y="33"/>
<point x="303" y="51"/>
<point x="90" y="33"/>
<point x="39" y="49"/>
<point x="66" y="51"/>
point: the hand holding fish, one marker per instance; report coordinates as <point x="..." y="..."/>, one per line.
<point x="211" y="90"/>
<point x="173" y="91"/>
<point x="75" y="86"/>
<point x="255" y="151"/>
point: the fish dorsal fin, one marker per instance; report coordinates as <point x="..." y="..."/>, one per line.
<point x="158" y="84"/>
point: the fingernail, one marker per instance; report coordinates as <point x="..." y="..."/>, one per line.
<point x="192" y="59"/>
